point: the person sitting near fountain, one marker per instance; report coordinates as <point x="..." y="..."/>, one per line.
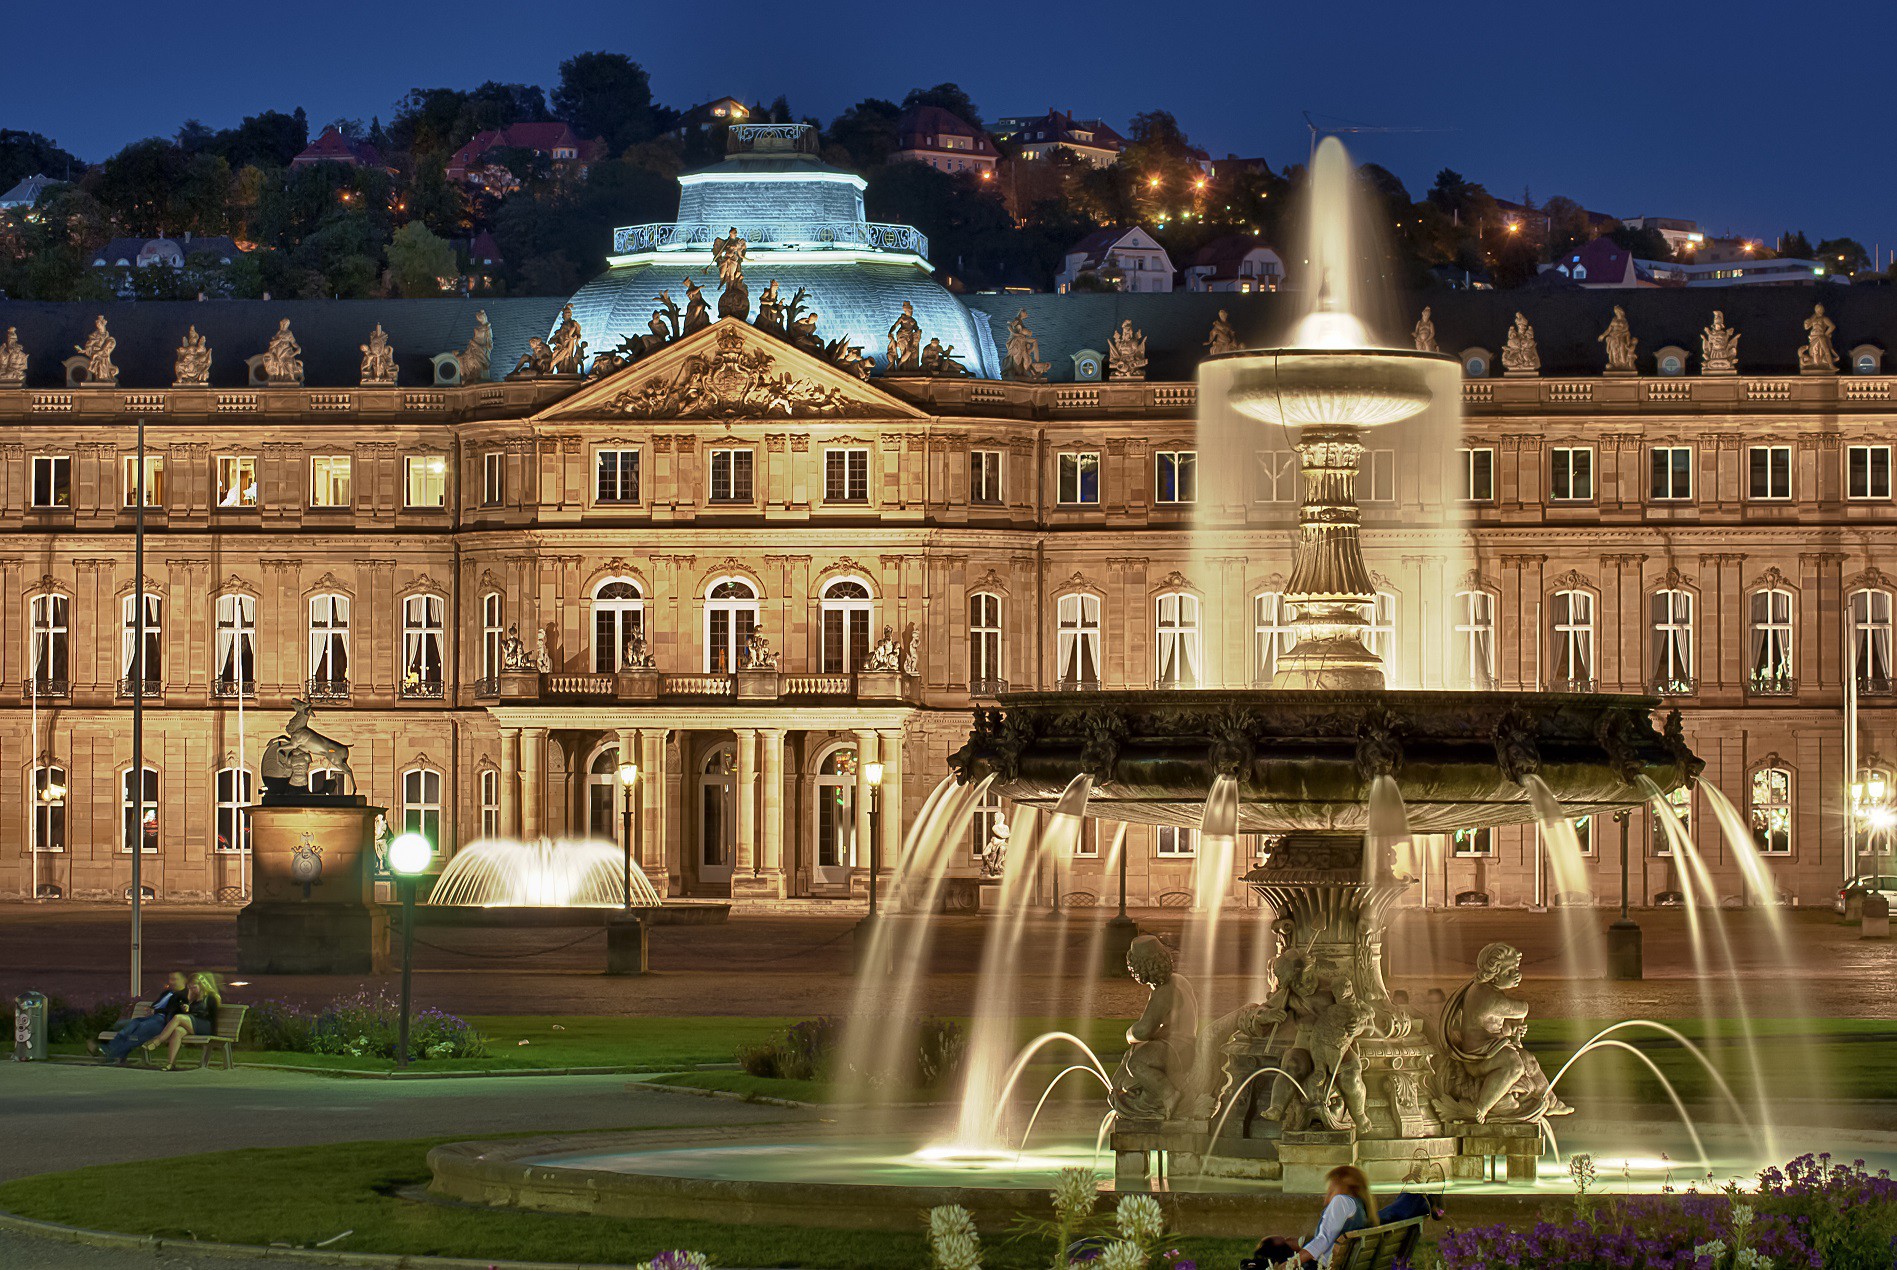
<point x="1348" y="1206"/>
<point x="197" y="1018"/>
<point x="1155" y="1073"/>
<point x="1485" y="1030"/>
<point x="132" y="1033"/>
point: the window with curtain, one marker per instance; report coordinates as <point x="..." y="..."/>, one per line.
<point x="846" y="609"/>
<point x="1771" y="656"/>
<point x="234" y="791"/>
<point x="1380" y="636"/>
<point x="329" y="643"/>
<point x="1572" y="666"/>
<point x="1077" y="640"/>
<point x="138" y="803"/>
<point x="1272" y="636"/>
<point x="1771" y="810"/>
<point x="1176" y="638"/>
<point x="1672" y="612"/>
<point x="1472" y="844"/>
<point x="490" y="803"/>
<point x="1475" y="638"/>
<point x="49" y="808"/>
<point x="236" y="651"/>
<point x="1870" y="639"/>
<point x="422" y="623"/>
<point x="1176" y="476"/>
<point x="985" y="674"/>
<point x="153" y="669"/>
<point x="52" y="637"/>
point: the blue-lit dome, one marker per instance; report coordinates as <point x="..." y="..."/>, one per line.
<point x="802" y="221"/>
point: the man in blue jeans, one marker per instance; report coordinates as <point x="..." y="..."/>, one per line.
<point x="132" y="1033"/>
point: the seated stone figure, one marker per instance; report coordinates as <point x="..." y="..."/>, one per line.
<point x="1490" y="1075"/>
<point x="1156" y="1074"/>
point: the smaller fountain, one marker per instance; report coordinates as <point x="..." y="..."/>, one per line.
<point x="501" y="873"/>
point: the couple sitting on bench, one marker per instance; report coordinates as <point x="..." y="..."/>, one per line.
<point x="187" y="1007"/>
<point x="1350" y="1208"/>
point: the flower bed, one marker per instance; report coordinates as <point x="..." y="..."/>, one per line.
<point x="364" y="1024"/>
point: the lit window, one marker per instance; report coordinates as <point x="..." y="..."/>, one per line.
<point x="490" y="803"/>
<point x="1380" y="636"/>
<point x="49" y="809"/>
<point x="493" y="478"/>
<point x="427" y="484"/>
<point x="1572" y="473"/>
<point x="1770" y="471"/>
<point x="236" y="480"/>
<point x="329" y="644"/>
<point x="52" y="480"/>
<point x="1078" y="477"/>
<point x="1478" y="474"/>
<point x="1176" y="476"/>
<point x="731" y="611"/>
<point x="731" y="476"/>
<point x="138" y="803"/>
<point x="329" y="480"/>
<point x="1077" y="642"/>
<point x="1272" y="636"/>
<point x="1475" y="639"/>
<point x="421" y="804"/>
<point x="154" y="480"/>
<point x="846" y="476"/>
<point x="1871" y="640"/>
<point x="1672" y="613"/>
<point x="491" y="635"/>
<point x="1867" y="471"/>
<point x="984" y="644"/>
<point x="1573" y="620"/>
<point x="1771" y="810"/>
<point x="1672" y="472"/>
<point x="422" y="617"/>
<point x="1772" y="667"/>
<point x="1471" y="844"/>
<point x="616" y="476"/>
<point x="234" y="797"/>
<point x="1176" y="626"/>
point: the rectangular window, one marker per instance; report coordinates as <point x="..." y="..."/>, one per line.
<point x="984" y="476"/>
<point x="154" y="480"/>
<point x="1770" y="471"/>
<point x="153" y="649"/>
<point x="1077" y="641"/>
<point x="236" y="651"/>
<point x="493" y="478"/>
<point x="490" y="803"/>
<point x="1277" y="472"/>
<point x="982" y="823"/>
<point x="49" y="616"/>
<point x="1478" y="474"/>
<point x="233" y="810"/>
<point x="1672" y="472"/>
<point x="1472" y="844"/>
<point x="1174" y="840"/>
<point x="421" y="804"/>
<point x="427" y="483"/>
<point x="1272" y="636"/>
<point x="329" y="645"/>
<point x="49" y="808"/>
<point x="731" y="476"/>
<point x="52" y="480"/>
<point x="1475" y="639"/>
<point x="1176" y="476"/>
<point x="1867" y="471"/>
<point x="422" y="617"/>
<point x="491" y="635"/>
<point x="1571" y="474"/>
<point x="846" y="476"/>
<point x="1573" y="662"/>
<point x="1377" y="476"/>
<point x="1078" y="477"/>
<point x="984" y="644"/>
<point x="1771" y="813"/>
<point x="138" y="801"/>
<point x="236" y="480"/>
<point x="1680" y="812"/>
<point x="1672" y="614"/>
<point x="616" y="476"/>
<point x="329" y="480"/>
<point x="1584" y="834"/>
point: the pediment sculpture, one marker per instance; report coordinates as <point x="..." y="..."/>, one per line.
<point x="734" y="379"/>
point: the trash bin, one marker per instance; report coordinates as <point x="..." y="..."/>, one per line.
<point x="29" y="1028"/>
<point x="1875" y="923"/>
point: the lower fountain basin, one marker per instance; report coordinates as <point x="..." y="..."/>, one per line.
<point x="1305" y="760"/>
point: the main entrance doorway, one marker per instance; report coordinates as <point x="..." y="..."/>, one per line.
<point x="836" y="819"/>
<point x="717" y="815"/>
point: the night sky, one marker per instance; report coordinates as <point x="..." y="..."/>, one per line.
<point x="1747" y="117"/>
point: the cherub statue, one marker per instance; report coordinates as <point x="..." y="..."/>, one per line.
<point x="12" y="360"/>
<point x="1023" y="358"/>
<point x="543" y="659"/>
<point x="758" y="654"/>
<point x="1621" y="344"/>
<point x="378" y="359"/>
<point x="1490" y="1073"/>
<point x="1425" y="333"/>
<point x="886" y="656"/>
<point x="905" y="341"/>
<point x="637" y="656"/>
<point x="474" y="359"/>
<point x="912" y="653"/>
<point x="514" y="650"/>
<point x="1719" y="348"/>
<point x="1223" y="338"/>
<point x="1161" y="1045"/>
<point x="994" y="853"/>
<point x="1519" y="354"/>
<point x="1126" y="352"/>
<point x="191" y="367"/>
<point x="1817" y="356"/>
<point x="97" y="350"/>
<point x="283" y="358"/>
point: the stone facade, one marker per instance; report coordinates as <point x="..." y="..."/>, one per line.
<point x="898" y="508"/>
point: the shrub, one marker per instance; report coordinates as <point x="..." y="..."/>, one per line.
<point x="364" y="1024"/>
<point x="808" y="1051"/>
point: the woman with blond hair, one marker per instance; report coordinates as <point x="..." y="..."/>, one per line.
<point x="198" y="1018"/>
<point x="1348" y="1206"/>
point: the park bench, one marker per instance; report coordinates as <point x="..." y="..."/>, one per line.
<point x="140" y="1010"/>
<point x="230" y="1021"/>
<point x="1378" y="1247"/>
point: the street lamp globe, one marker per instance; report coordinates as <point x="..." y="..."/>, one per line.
<point x="628" y="774"/>
<point x="873" y="773"/>
<point x="410" y="854"/>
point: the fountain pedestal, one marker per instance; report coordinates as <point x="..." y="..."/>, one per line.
<point x="626" y="950"/>
<point x="1494" y="1152"/>
<point x="311" y="910"/>
<point x="1623" y="950"/>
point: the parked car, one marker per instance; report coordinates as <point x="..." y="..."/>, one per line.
<point x="1850" y="901"/>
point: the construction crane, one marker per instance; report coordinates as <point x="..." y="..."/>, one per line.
<point x="1346" y="126"/>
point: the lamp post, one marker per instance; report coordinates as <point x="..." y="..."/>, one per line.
<point x="409" y="855"/>
<point x="629" y="781"/>
<point x="1871" y="808"/>
<point x="137" y="672"/>
<point x="1121" y="929"/>
<point x="873" y="775"/>
<point x="1623" y="936"/>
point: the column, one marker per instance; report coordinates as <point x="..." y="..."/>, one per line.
<point x="510" y="782"/>
<point x="865" y="755"/>
<point x="772" y="739"/>
<point x="533" y="753"/>
<point x="652" y="841"/>
<point x="747" y="857"/>
<point x="890" y="747"/>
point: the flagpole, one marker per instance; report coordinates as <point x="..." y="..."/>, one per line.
<point x="138" y="717"/>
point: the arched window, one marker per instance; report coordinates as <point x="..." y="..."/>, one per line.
<point x="1771" y="810"/>
<point x="1380" y="638"/>
<point x="986" y="677"/>
<point x="1772" y="667"/>
<point x="1870" y="639"/>
<point x="49" y="808"/>
<point x="492" y="632"/>
<point x="1077" y="643"/>
<point x="846" y="621"/>
<point x="138" y="803"/>
<point x="618" y="614"/>
<point x="1176" y="637"/>
<point x="490" y="793"/>
<point x="602" y="793"/>
<point x="1572" y="666"/>
<point x="329" y="646"/>
<point x="421" y="804"/>
<point x="236" y="645"/>
<point x="153" y="671"/>
<point x="234" y="797"/>
<point x="731" y="610"/>
<point x="836" y="815"/>
<point x="52" y="637"/>
<point x="1272" y="636"/>
<point x="1672" y="612"/>
<point x="1475" y="639"/>
<point x="422" y="617"/>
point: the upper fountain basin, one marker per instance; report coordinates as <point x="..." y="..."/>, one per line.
<point x="1320" y="387"/>
<point x="1305" y="760"/>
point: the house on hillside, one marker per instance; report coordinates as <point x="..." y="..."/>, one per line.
<point x="564" y="149"/>
<point x="334" y="147"/>
<point x="27" y="193"/>
<point x="1600" y="264"/>
<point x="944" y="141"/>
<point x="1124" y="259"/>
<point x="1235" y="262"/>
<point x="120" y="257"/>
<point x="712" y="114"/>
<point x="1039" y="137"/>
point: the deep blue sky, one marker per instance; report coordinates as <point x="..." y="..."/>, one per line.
<point x="1747" y="118"/>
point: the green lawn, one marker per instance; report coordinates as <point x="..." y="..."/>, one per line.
<point x="305" y="1195"/>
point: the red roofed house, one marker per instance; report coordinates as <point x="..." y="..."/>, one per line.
<point x="334" y="147"/>
<point x="946" y="142"/>
<point x="562" y="147"/>
<point x="1130" y="258"/>
<point x="1235" y="262"/>
<point x="1601" y="262"/>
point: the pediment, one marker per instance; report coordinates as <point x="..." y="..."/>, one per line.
<point x="731" y="370"/>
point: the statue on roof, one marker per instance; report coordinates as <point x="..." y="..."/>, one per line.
<point x="1818" y="357"/>
<point x="1621" y="344"/>
<point x="1519" y="354"/>
<point x="1126" y="352"/>
<point x="663" y="326"/>
<point x="569" y="350"/>
<point x="12" y="360"/>
<point x="191" y="367"/>
<point x="803" y="333"/>
<point x="1718" y="348"/>
<point x="770" y="310"/>
<point x="1023" y="359"/>
<point x="1425" y="333"/>
<point x="849" y="357"/>
<point x="905" y="342"/>
<point x="939" y="359"/>
<point x="535" y="362"/>
<point x="97" y="350"/>
<point x="283" y="358"/>
<point x="475" y="358"/>
<point x="697" y="312"/>
<point x="734" y="298"/>
<point x="378" y="360"/>
<point x="1222" y="339"/>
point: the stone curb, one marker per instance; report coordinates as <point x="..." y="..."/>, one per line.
<point x="82" y="1060"/>
<point x="318" y="1256"/>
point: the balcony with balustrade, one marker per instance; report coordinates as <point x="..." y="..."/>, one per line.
<point x="706" y="688"/>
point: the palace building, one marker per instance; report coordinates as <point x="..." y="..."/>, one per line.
<point x="762" y="551"/>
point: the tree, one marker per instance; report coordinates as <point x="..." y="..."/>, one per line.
<point x="24" y="154"/>
<point x="1793" y="243"/>
<point x="1843" y="256"/>
<point x="1645" y="243"/>
<point x="949" y="97"/>
<point x="154" y="187"/>
<point x="606" y="95"/>
<point x="1568" y="225"/>
<point x="865" y="134"/>
<point x="971" y="236"/>
<point x="267" y="140"/>
<point x="419" y="261"/>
